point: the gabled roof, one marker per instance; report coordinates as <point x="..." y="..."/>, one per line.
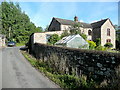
<point x="70" y="22"/>
<point x="98" y="24"/>
<point x="66" y="39"/>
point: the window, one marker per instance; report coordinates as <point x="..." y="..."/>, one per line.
<point x="89" y="32"/>
<point x="108" y="41"/>
<point x="108" y="32"/>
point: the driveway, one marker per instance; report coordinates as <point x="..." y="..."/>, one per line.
<point x="18" y="73"/>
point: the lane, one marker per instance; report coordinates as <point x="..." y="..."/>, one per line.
<point x="18" y="73"/>
<point x="0" y="68"/>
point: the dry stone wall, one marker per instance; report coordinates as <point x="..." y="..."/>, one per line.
<point x="94" y="64"/>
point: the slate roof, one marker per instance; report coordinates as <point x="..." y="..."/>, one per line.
<point x="70" y="22"/>
<point x="98" y="24"/>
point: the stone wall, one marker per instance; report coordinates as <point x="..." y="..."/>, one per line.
<point x="95" y="64"/>
<point x="104" y="36"/>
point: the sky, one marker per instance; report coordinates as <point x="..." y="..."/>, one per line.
<point x="41" y="13"/>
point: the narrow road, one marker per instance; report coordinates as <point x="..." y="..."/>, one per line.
<point x="18" y="73"/>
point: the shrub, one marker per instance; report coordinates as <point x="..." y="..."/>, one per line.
<point x="53" y="39"/>
<point x="98" y="41"/>
<point x="65" y="33"/>
<point x="84" y="36"/>
<point x="92" y="44"/>
<point x="102" y="48"/>
<point x="109" y="45"/>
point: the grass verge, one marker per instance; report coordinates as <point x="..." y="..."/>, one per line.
<point x="64" y="81"/>
<point x="20" y="44"/>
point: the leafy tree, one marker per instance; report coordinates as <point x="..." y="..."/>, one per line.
<point x="84" y="36"/>
<point x="46" y="29"/>
<point x="53" y="39"/>
<point x="16" y="24"/>
<point x="65" y="33"/>
<point x="118" y="35"/>
<point x="98" y="41"/>
<point x="75" y="29"/>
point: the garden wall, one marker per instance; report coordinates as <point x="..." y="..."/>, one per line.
<point x="95" y="64"/>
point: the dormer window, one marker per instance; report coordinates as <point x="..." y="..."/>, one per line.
<point x="108" y="32"/>
<point x="89" y="32"/>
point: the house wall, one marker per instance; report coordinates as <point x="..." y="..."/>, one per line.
<point x="2" y="41"/>
<point x="104" y="36"/>
<point x="85" y="31"/>
<point x="42" y="37"/>
<point x="96" y="33"/>
<point x="54" y="26"/>
<point x="65" y="27"/>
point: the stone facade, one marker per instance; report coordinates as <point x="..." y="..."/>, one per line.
<point x="98" y="29"/>
<point x="42" y="37"/>
<point x="104" y="36"/>
<point x="2" y="40"/>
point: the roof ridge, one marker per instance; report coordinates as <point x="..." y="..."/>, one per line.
<point x="100" y="20"/>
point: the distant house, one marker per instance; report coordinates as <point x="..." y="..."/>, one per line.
<point x="2" y="40"/>
<point x="73" y="41"/>
<point x="102" y="29"/>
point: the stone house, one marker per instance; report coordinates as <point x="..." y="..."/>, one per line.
<point x="102" y="29"/>
<point x="73" y="41"/>
<point x="2" y="40"/>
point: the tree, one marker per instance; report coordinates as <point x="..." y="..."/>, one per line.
<point x="84" y="36"/>
<point x="53" y="39"/>
<point x="16" y="24"/>
<point x="65" y="33"/>
<point x="98" y="41"/>
<point x="75" y="29"/>
<point x="118" y="35"/>
<point x="46" y="29"/>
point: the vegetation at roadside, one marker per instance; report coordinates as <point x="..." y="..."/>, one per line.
<point x="20" y="44"/>
<point x="65" y="81"/>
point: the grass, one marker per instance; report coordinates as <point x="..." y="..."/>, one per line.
<point x="64" y="81"/>
<point x="20" y="44"/>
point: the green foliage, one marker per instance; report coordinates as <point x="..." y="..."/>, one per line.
<point x="84" y="36"/>
<point x="15" y="23"/>
<point x="65" y="81"/>
<point x="92" y="44"/>
<point x="53" y="39"/>
<point x="65" y="33"/>
<point x="46" y="29"/>
<point x="75" y="29"/>
<point x="98" y="41"/>
<point x="118" y="35"/>
<point x="109" y="45"/>
<point x="101" y="48"/>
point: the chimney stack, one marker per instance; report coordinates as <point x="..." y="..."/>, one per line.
<point x="76" y="19"/>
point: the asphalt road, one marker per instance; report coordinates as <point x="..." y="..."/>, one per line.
<point x="18" y="73"/>
<point x="0" y="69"/>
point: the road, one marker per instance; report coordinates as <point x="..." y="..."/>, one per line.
<point x="18" y="73"/>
